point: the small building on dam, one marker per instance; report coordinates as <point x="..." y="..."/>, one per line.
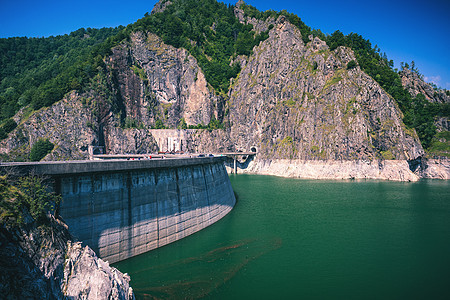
<point x="124" y="208"/>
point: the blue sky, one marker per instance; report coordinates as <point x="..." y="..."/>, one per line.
<point x="405" y="30"/>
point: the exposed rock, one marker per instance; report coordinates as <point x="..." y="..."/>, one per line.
<point x="160" y="6"/>
<point x="435" y="168"/>
<point x="65" y="124"/>
<point x="415" y="84"/>
<point x="258" y="25"/>
<point x="88" y="277"/>
<point x="396" y="170"/>
<point x="136" y="141"/>
<point x="292" y="101"/>
<point x="442" y="124"/>
<point x="72" y="126"/>
<point x="42" y="263"/>
<point x="170" y="85"/>
<point x="297" y="101"/>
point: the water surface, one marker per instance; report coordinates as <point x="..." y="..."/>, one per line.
<point x="309" y="239"/>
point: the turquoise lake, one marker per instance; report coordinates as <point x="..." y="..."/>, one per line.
<point x="310" y="239"/>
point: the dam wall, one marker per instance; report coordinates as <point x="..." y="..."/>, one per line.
<point x="125" y="208"/>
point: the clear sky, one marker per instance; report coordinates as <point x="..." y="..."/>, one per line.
<point x="406" y="30"/>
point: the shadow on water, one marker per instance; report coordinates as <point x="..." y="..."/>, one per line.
<point x="196" y="277"/>
<point x="236" y="196"/>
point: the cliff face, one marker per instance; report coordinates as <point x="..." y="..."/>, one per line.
<point x="72" y="126"/>
<point x="42" y="263"/>
<point x="416" y="85"/>
<point x="299" y="101"/>
<point x="159" y="82"/>
<point x="65" y="124"/>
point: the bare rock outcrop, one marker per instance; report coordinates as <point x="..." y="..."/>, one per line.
<point x="415" y="85"/>
<point x="258" y="25"/>
<point x="65" y="124"/>
<point x="172" y="84"/>
<point x="160" y="6"/>
<point x="291" y="101"/>
<point x="297" y="101"/>
<point x="396" y="170"/>
<point x="88" y="277"/>
<point x="41" y="262"/>
<point x="435" y="168"/>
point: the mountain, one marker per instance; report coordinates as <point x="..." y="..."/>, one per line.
<point x="429" y="98"/>
<point x="231" y="78"/>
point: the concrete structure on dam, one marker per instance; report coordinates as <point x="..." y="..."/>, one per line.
<point x="125" y="208"/>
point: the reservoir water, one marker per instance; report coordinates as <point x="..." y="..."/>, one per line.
<point x="310" y="239"/>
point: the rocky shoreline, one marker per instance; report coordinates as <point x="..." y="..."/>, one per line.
<point x="435" y="168"/>
<point x="394" y="170"/>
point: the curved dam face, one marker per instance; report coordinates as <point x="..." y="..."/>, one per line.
<point x="122" y="209"/>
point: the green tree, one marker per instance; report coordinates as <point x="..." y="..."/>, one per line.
<point x="25" y="194"/>
<point x="159" y="124"/>
<point x="40" y="149"/>
<point x="351" y="65"/>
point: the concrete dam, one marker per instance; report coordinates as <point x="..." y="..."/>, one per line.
<point x="125" y="208"/>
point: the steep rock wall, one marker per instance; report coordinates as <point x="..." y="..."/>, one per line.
<point x="156" y="81"/>
<point x="415" y="84"/>
<point x="299" y="101"/>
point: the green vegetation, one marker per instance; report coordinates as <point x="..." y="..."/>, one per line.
<point x="289" y="103"/>
<point x="40" y="149"/>
<point x="440" y="144"/>
<point x="140" y="72"/>
<point x="315" y="65"/>
<point x="7" y="126"/>
<point x="39" y="71"/>
<point x="159" y="124"/>
<point x="182" y="124"/>
<point x="387" y="155"/>
<point x="26" y="194"/>
<point x="332" y="81"/>
<point x="305" y="30"/>
<point x="132" y="123"/>
<point x="286" y="148"/>
<point x="351" y="65"/>
<point x="209" y="31"/>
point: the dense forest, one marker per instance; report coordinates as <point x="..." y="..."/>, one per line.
<point x="37" y="72"/>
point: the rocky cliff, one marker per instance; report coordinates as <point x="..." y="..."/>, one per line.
<point x="415" y="84"/>
<point x="41" y="262"/>
<point x="297" y="101"/>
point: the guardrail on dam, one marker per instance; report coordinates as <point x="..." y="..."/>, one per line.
<point x="125" y="208"/>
